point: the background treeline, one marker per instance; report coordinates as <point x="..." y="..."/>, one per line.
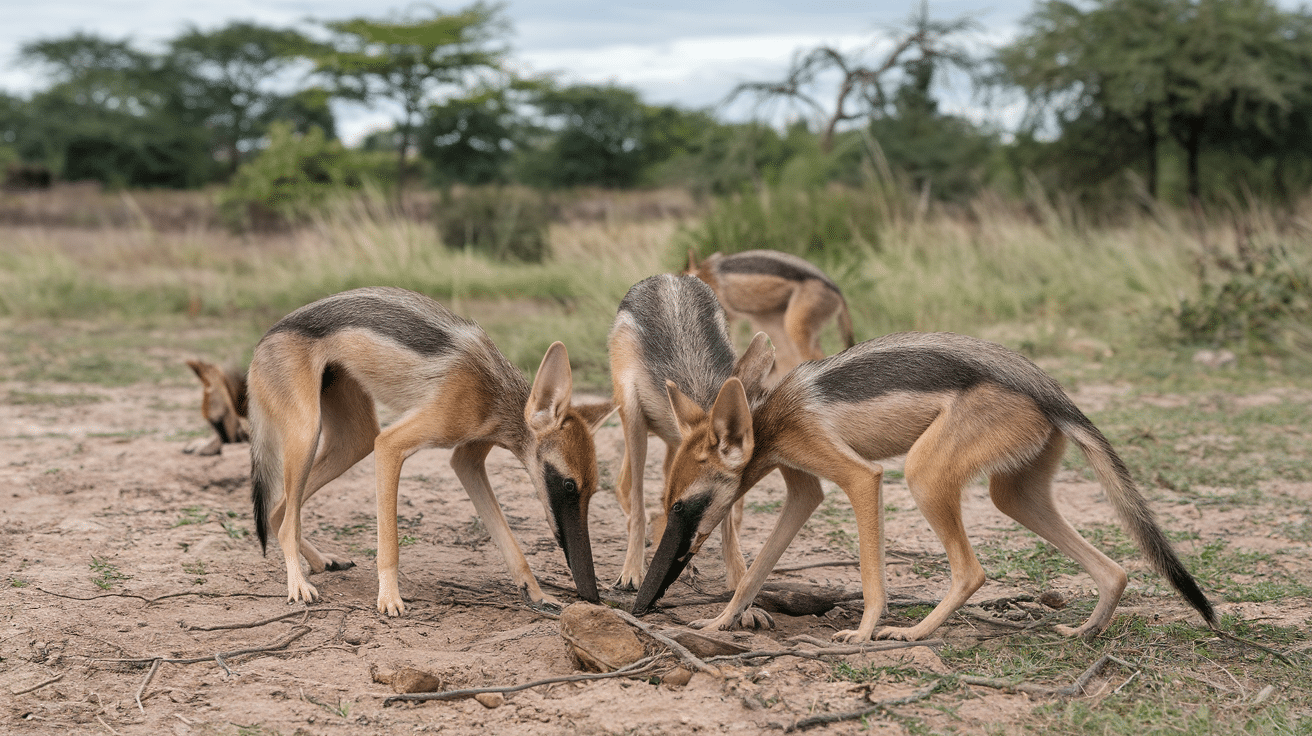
<point x="1124" y="100"/>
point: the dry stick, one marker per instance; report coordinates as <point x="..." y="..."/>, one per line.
<point x="295" y="634"/>
<point x="1255" y="645"/>
<point x="154" y="667"/>
<point x="106" y="725"/>
<point x="1074" y="688"/>
<point x="853" y="715"/>
<point x="257" y="624"/>
<point x="679" y="649"/>
<point x="149" y="601"/>
<point x="39" y="685"/>
<point x="828" y="651"/>
<point x="458" y="694"/>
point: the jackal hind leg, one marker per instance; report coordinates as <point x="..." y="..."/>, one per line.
<point x="809" y="309"/>
<point x="1026" y="496"/>
<point x="865" y="490"/>
<point x="635" y="456"/>
<point x="349" y="426"/>
<point x="299" y="435"/>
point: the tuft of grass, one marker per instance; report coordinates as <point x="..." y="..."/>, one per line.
<point x="107" y="573"/>
<point x="192" y="515"/>
<point x="1039" y="563"/>
<point x="28" y="398"/>
<point x="198" y="569"/>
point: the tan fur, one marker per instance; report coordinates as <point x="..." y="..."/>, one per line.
<point x="949" y="436"/>
<point x="223" y="406"/>
<point x="793" y="312"/>
<point x="468" y="398"/>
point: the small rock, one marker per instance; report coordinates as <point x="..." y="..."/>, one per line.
<point x="677" y="677"/>
<point x="598" y="639"/>
<point x="704" y="645"/>
<point x="1052" y="599"/>
<point x="491" y="700"/>
<point x="406" y="679"/>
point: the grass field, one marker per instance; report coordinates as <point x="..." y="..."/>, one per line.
<point x="121" y="304"/>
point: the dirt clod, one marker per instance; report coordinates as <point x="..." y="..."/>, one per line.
<point x="599" y="640"/>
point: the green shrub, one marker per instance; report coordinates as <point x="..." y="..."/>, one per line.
<point x="297" y="177"/>
<point x="505" y="223"/>
<point x="1261" y="303"/>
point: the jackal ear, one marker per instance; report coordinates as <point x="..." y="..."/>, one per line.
<point x="731" y="425"/>
<point x="209" y="374"/>
<point x="692" y="262"/>
<point x="596" y="414"/>
<point x="687" y="415"/>
<point x="755" y="362"/>
<point x="552" y="389"/>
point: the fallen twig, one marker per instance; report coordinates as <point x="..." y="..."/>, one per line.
<point x="828" y="651"/>
<point x="826" y="563"/>
<point x="292" y="636"/>
<point x="679" y="649"/>
<point x="256" y="624"/>
<point x="202" y="594"/>
<point x="471" y="692"/>
<point x="1241" y="640"/>
<point x="154" y="667"/>
<point x="826" y="718"/>
<point x="106" y="725"/>
<point x="1075" y="688"/>
<point x="39" y="685"/>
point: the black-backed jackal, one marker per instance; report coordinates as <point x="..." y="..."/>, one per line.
<point x="670" y="328"/>
<point x="223" y="404"/>
<point x="780" y="294"/>
<point x="957" y="407"/>
<point x="314" y="380"/>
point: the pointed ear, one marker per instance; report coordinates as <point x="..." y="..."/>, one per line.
<point x="596" y="414"/>
<point x="692" y="261"/>
<point x="552" y="389"/>
<point x="755" y="362"/>
<point x="687" y="415"/>
<point x="207" y="373"/>
<point x="731" y="425"/>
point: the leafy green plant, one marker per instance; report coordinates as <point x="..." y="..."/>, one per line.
<point x="192" y="515"/>
<point x="1264" y="298"/>
<point x="107" y="573"/>
<point x="298" y="176"/>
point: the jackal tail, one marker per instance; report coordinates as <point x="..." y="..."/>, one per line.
<point x="1135" y="513"/>
<point x="845" y="323"/>
<point x="266" y="476"/>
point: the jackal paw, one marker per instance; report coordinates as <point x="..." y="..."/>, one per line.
<point x="299" y="590"/>
<point x="390" y="603"/>
<point x="333" y="564"/>
<point x="894" y="633"/>
<point x="628" y="580"/>
<point x="851" y="636"/>
<point x="1084" y="632"/>
<point x="756" y="618"/>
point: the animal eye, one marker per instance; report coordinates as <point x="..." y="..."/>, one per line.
<point x="571" y="486"/>
<point x="677" y="507"/>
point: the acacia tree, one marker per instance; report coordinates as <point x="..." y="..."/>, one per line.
<point x="863" y="89"/>
<point x="409" y="59"/>
<point x="226" y="75"/>
<point x="1203" y="72"/>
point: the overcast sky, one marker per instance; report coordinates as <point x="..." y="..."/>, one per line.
<point x="673" y="51"/>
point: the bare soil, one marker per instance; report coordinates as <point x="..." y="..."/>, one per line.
<point x="115" y="545"/>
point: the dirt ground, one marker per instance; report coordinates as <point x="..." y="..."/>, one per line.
<point x="115" y="545"/>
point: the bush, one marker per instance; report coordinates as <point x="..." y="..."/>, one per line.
<point x="297" y="177"/>
<point x="1265" y="301"/>
<point x="506" y="223"/>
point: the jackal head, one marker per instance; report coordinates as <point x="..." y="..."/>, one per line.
<point x="703" y="481"/>
<point x="222" y="400"/>
<point x="562" y="462"/>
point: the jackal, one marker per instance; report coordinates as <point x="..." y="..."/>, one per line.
<point x="780" y="294"/>
<point x="315" y="377"/>
<point x="223" y="404"/>
<point x="670" y="328"/>
<point x="957" y="407"/>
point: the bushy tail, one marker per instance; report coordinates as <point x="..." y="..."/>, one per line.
<point x="1135" y="513"/>
<point x="266" y="474"/>
<point x="845" y="323"/>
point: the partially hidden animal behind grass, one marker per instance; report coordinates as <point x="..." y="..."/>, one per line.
<point x="957" y="407"/>
<point x="671" y="328"/>
<point x="223" y="404"/>
<point x="780" y="294"/>
<point x="315" y="378"/>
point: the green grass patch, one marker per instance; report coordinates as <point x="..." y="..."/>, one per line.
<point x="1039" y="563"/>
<point x="28" y="398"/>
<point x="192" y="515"/>
<point x="107" y="573"/>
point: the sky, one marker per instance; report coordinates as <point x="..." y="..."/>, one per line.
<point x="680" y="52"/>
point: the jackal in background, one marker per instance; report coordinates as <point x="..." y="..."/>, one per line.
<point x="780" y="294"/>
<point x="223" y="404"/>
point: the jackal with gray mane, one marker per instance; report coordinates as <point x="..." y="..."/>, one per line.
<point x="957" y="407"/>
<point x="780" y="294"/>
<point x="670" y="328"/>
<point x="314" y="380"/>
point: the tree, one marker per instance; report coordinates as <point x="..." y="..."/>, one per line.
<point x="226" y="76"/>
<point x="472" y="139"/>
<point x="1203" y="72"/>
<point x="591" y="135"/>
<point x="862" y="90"/>
<point x="409" y="59"/>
